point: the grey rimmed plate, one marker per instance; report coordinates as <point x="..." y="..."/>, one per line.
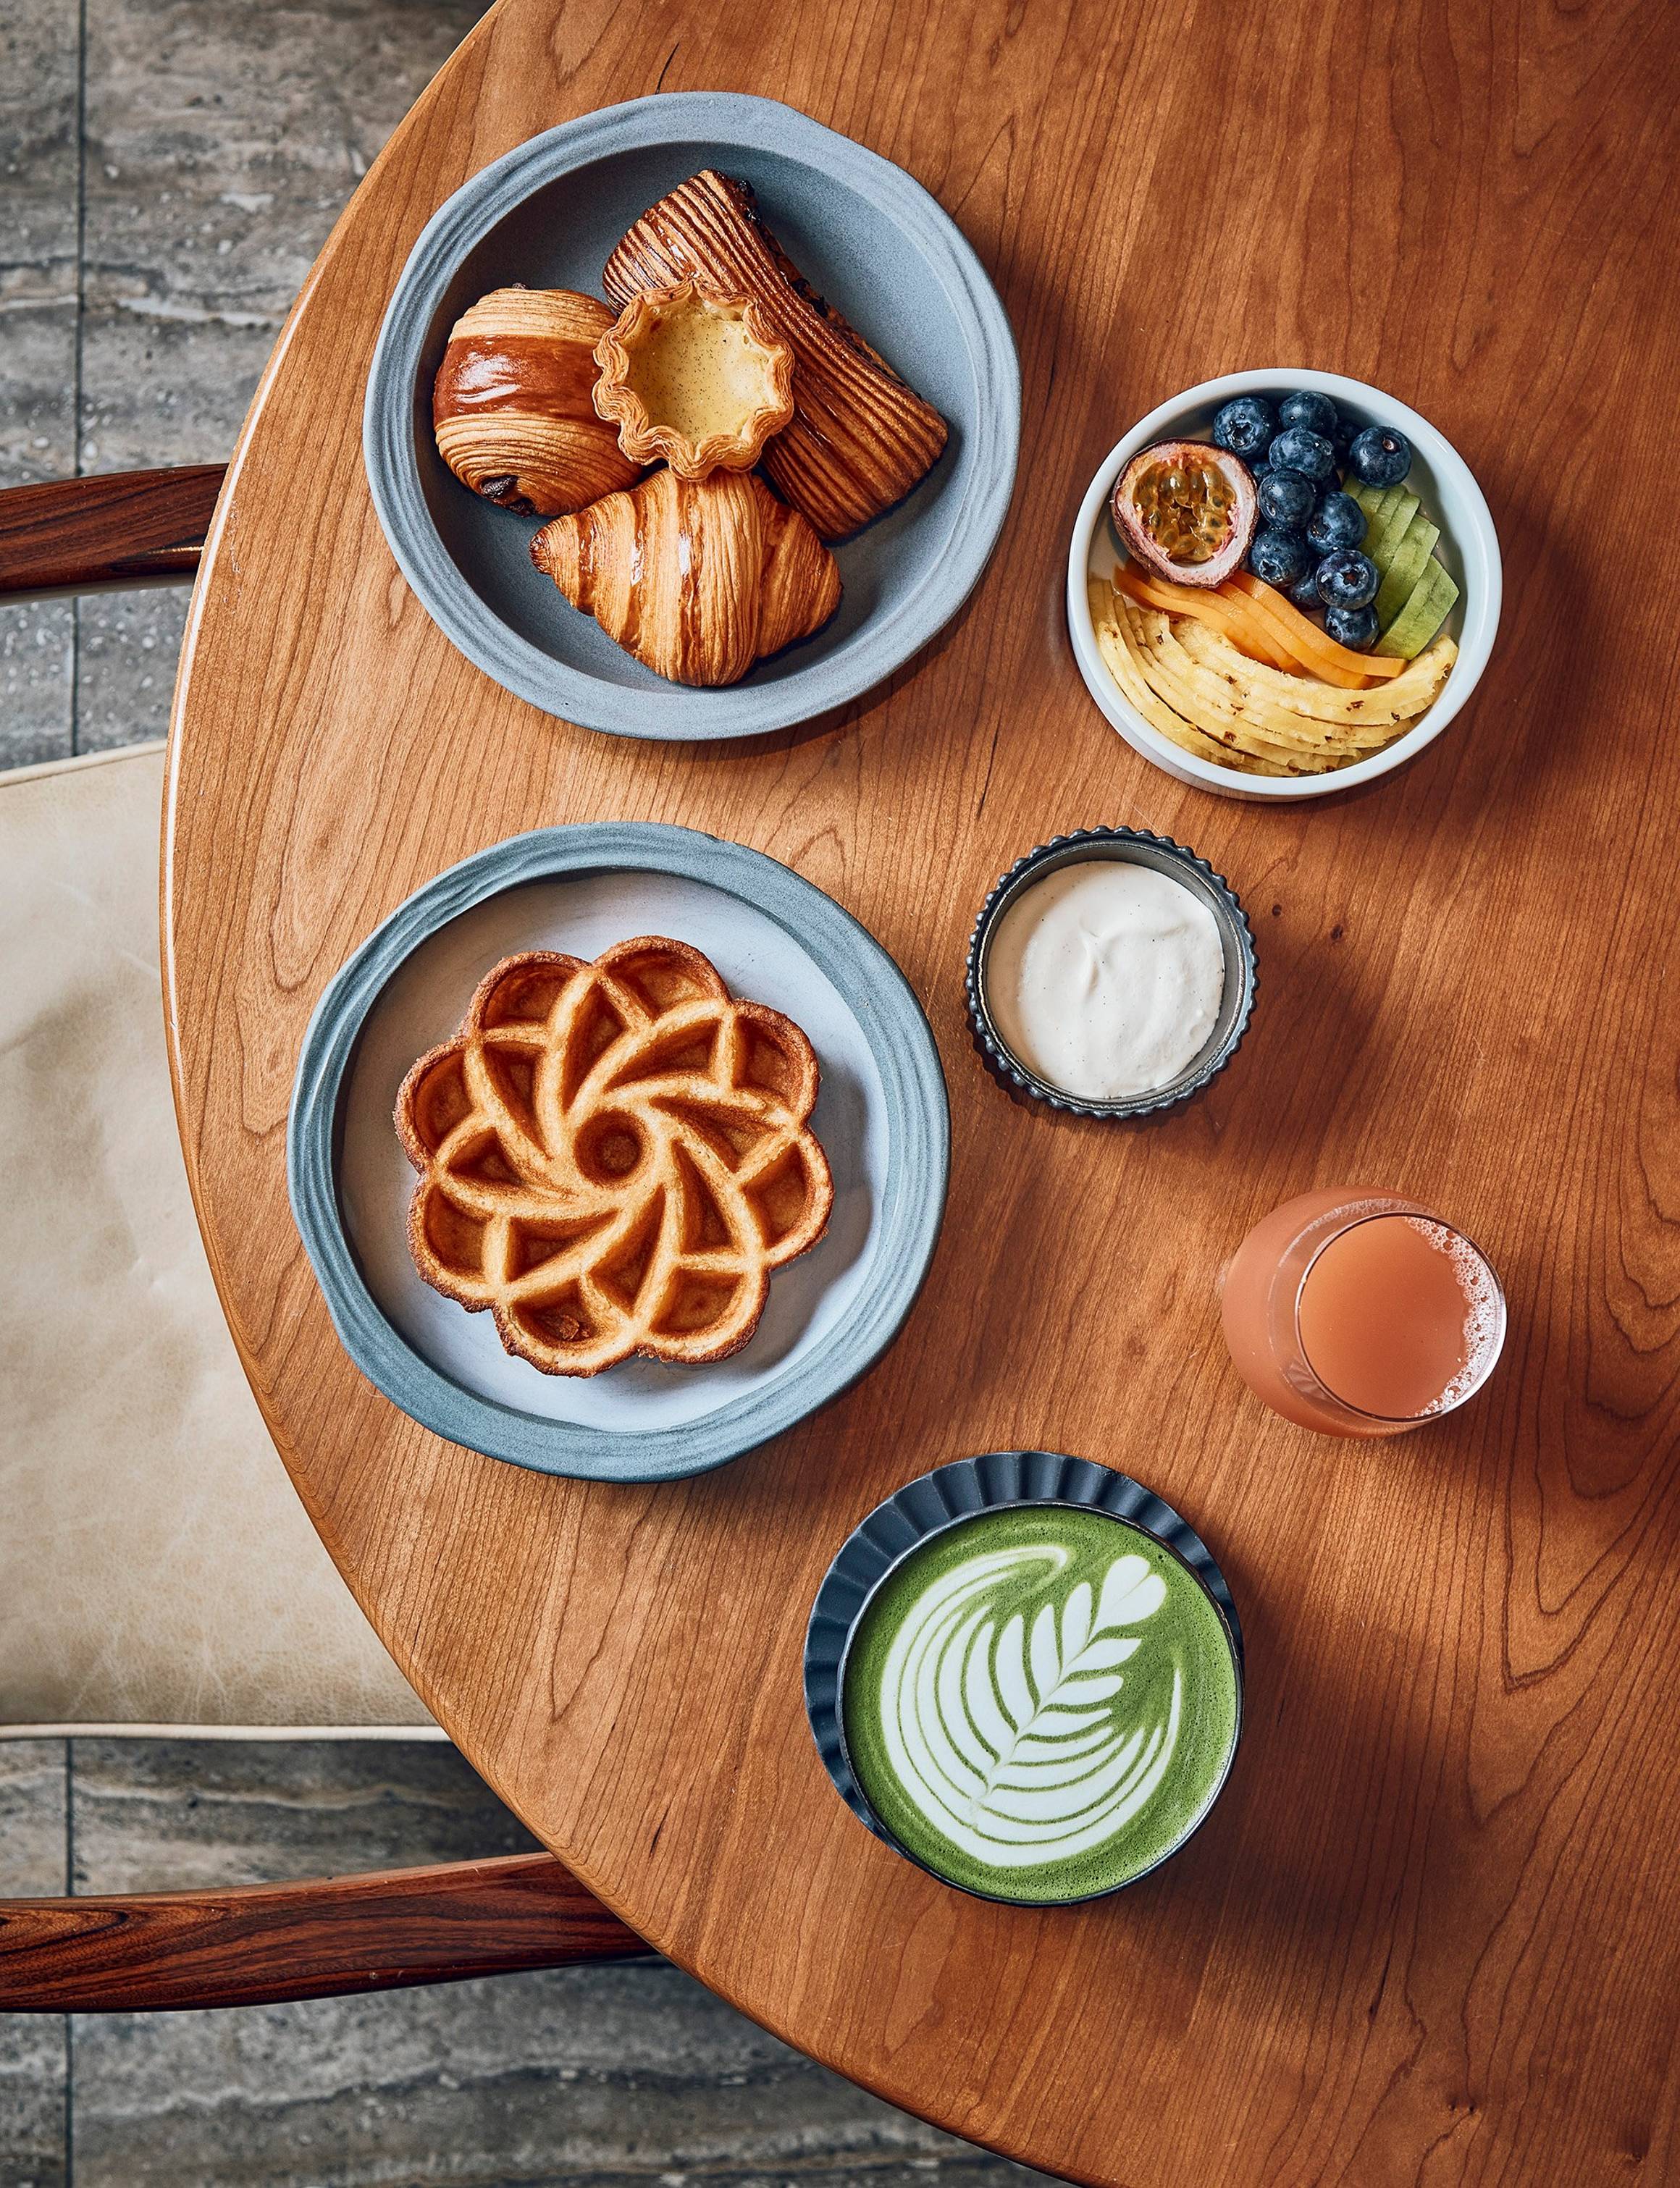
<point x="871" y="240"/>
<point x="927" y="1506"/>
<point x="880" y="1116"/>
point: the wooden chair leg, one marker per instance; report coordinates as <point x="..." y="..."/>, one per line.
<point x="264" y="1943"/>
<point x="121" y="528"/>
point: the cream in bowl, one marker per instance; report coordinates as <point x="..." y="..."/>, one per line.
<point x="1111" y="972"/>
<point x="1105" y="979"/>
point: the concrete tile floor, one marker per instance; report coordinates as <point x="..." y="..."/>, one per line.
<point x="168" y="169"/>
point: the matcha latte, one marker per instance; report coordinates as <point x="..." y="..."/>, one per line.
<point x="1041" y="1702"/>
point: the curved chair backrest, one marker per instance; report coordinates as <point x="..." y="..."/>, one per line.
<point x="259" y="1944"/>
<point x="109" y="532"/>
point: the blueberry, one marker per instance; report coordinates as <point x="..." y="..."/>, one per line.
<point x="1355" y="627"/>
<point x="1245" y="424"/>
<point x="1299" y="450"/>
<point x="1347" y="579"/>
<point x="1380" y="456"/>
<point x="1278" y="557"/>
<point x="1286" y="498"/>
<point x="1304" y="590"/>
<point x="1337" y="521"/>
<point x="1317" y="413"/>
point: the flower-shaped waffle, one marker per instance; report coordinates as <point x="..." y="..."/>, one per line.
<point x="613" y="1156"/>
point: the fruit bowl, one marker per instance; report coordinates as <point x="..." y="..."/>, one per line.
<point x="1469" y="546"/>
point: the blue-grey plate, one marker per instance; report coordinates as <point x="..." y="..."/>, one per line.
<point x="880" y="1543"/>
<point x="869" y="238"/>
<point x="880" y="1115"/>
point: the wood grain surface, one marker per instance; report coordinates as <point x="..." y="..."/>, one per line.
<point x="1432" y="1933"/>
<point x="258" y="1944"/>
<point x="119" y="529"/>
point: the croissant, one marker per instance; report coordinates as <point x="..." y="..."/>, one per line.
<point x="696" y="577"/>
<point x="860" y="438"/>
<point x="513" y="403"/>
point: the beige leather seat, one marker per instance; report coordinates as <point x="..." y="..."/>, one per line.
<point x="157" y="1571"/>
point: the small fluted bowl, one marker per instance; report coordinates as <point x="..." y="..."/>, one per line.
<point x="1139" y="847"/>
<point x="666" y="337"/>
<point x="931" y="1505"/>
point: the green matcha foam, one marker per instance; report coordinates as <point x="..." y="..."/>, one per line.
<point x="1041" y="1702"/>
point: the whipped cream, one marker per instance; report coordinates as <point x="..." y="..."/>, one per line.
<point x="1105" y="979"/>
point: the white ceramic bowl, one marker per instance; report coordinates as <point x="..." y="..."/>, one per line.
<point x="1469" y="546"/>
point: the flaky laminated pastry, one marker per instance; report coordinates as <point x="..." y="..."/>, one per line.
<point x="698" y="579"/>
<point x="613" y="1156"/>
<point x="513" y="409"/>
<point x="860" y="438"/>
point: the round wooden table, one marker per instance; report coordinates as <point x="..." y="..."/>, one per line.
<point x="1432" y="1933"/>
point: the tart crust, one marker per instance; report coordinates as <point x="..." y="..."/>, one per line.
<point x="695" y="377"/>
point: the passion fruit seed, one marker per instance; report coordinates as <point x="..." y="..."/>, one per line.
<point x="1186" y="509"/>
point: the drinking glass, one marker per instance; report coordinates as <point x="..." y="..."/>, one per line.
<point x="1356" y="1330"/>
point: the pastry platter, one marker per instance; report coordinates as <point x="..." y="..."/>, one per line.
<point x="879" y="249"/>
<point x="881" y="1114"/>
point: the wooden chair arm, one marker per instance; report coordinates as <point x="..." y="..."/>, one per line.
<point x="124" y="528"/>
<point x="261" y="1943"/>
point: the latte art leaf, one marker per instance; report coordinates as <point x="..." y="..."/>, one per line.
<point x="1009" y="1729"/>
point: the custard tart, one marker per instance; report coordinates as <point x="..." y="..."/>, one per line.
<point x="695" y="379"/>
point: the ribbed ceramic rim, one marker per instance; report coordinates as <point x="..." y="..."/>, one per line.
<point x="897" y="629"/>
<point x="1476" y="540"/>
<point x="1001" y="1060"/>
<point x="930" y="1505"/>
<point x="912" y="1197"/>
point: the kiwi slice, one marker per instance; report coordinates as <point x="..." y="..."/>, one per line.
<point x="1406" y="566"/>
<point x="1426" y="610"/>
<point x="1383" y="538"/>
<point x="1377" y="502"/>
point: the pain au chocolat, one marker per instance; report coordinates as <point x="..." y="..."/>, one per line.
<point x="513" y="406"/>
<point x="698" y="579"/>
<point x="860" y="438"/>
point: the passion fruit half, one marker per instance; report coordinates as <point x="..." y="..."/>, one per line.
<point x="1187" y="510"/>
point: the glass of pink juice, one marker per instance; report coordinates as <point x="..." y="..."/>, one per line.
<point x="1357" y="1313"/>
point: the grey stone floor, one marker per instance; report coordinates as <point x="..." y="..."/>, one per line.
<point x="168" y="169"/>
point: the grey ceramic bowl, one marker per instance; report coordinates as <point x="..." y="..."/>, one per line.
<point x="871" y="238"/>
<point x="928" y="1506"/>
<point x="1139" y="847"/>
